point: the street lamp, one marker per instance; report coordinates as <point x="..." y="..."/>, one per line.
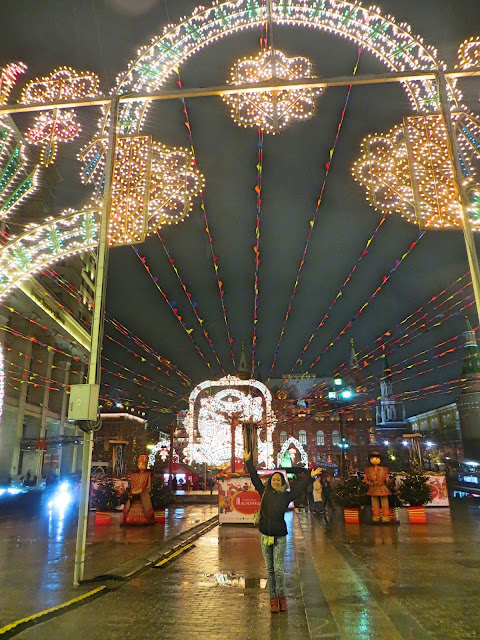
<point x="336" y="396"/>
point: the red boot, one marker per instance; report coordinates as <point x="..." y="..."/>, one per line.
<point x="283" y="603"/>
<point x="274" y="605"/>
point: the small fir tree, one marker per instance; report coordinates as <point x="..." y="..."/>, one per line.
<point x="351" y="492"/>
<point x="414" y="490"/>
<point x="104" y="496"/>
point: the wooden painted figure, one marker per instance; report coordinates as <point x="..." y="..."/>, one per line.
<point x="138" y="510"/>
<point x="376" y="477"/>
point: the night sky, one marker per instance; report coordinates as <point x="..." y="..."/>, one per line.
<point x="103" y="36"/>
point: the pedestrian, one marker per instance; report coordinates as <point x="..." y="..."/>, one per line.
<point x="174" y="483"/>
<point x="327" y="492"/>
<point x="274" y="504"/>
<point x="317" y="495"/>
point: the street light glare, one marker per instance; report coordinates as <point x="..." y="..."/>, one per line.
<point x="337" y="382"/>
<point x="346" y="394"/>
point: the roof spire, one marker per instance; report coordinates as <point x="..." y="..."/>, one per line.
<point x="243" y="372"/>
<point x="471" y="353"/>
<point x="353" y="356"/>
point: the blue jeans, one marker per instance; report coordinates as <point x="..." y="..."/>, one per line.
<point x="274" y="556"/>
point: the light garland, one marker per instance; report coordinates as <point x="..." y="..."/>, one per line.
<point x="286" y="445"/>
<point x="57" y="125"/>
<point x="409" y="171"/>
<point x="469" y="53"/>
<point x="8" y="78"/>
<point x="271" y="110"/>
<point x="41" y="245"/>
<point x="392" y="43"/>
<point x="209" y="419"/>
<point x="162" y="448"/>
<point x="18" y="177"/>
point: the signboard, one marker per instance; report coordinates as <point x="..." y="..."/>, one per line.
<point x="237" y="497"/>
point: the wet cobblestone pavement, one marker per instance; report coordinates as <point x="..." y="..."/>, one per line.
<point x="37" y="552"/>
<point x="354" y="582"/>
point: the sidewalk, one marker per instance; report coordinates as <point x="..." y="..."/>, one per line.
<point x="354" y="582"/>
<point x="37" y="554"/>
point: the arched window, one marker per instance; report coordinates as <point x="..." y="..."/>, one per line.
<point x="320" y="438"/>
<point x="283" y="437"/>
<point x="335" y="437"/>
<point x="302" y="437"/>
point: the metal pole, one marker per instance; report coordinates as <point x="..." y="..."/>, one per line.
<point x="341" y="443"/>
<point x="94" y="369"/>
<point x="233" y="425"/>
<point x="170" y="458"/>
<point x="459" y="185"/>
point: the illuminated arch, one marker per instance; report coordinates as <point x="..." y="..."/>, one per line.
<point x="392" y="43"/>
<point x="42" y="245"/>
<point x="231" y="386"/>
<point x="298" y="445"/>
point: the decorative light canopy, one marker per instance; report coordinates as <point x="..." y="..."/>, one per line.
<point x="42" y="245"/>
<point x="409" y="170"/>
<point x="162" y="449"/>
<point x="210" y="415"/>
<point x="18" y="176"/>
<point x="57" y="125"/>
<point x="8" y="78"/>
<point x="469" y="53"/>
<point x="391" y="42"/>
<point x="271" y="110"/>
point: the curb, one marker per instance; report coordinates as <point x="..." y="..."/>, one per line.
<point x="160" y="553"/>
<point x="155" y="553"/>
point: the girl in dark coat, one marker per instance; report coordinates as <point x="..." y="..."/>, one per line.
<point x="275" y="502"/>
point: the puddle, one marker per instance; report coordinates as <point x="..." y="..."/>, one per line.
<point x="227" y="579"/>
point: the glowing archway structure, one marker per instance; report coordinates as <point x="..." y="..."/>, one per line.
<point x="392" y="43"/>
<point x="286" y="446"/>
<point x="213" y="404"/>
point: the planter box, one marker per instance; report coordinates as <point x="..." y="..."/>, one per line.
<point x="102" y="517"/>
<point x="416" y="515"/>
<point x="159" y="515"/>
<point x="351" y="516"/>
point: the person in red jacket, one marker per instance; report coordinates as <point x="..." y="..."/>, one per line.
<point x="275" y="501"/>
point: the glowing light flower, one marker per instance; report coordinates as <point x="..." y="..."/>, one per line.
<point x="271" y="110"/>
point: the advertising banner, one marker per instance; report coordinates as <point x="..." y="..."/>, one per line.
<point x="237" y="497"/>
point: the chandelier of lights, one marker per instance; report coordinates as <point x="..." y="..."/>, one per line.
<point x="409" y="170"/>
<point x="271" y="110"/>
<point x="57" y="125"/>
<point x="210" y="416"/>
<point x="153" y="185"/>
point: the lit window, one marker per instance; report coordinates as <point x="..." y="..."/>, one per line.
<point x="302" y="437"/>
<point x="335" y="437"/>
<point x="320" y="438"/>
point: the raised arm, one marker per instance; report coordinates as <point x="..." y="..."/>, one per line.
<point x="257" y="483"/>
<point x="302" y="484"/>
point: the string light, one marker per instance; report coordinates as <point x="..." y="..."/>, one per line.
<point x="57" y="125"/>
<point x="271" y="110"/>
<point x="209" y="419"/>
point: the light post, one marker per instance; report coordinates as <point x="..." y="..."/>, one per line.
<point x="428" y="446"/>
<point x="336" y="396"/>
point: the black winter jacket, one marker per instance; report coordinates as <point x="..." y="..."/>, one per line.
<point x="275" y="503"/>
